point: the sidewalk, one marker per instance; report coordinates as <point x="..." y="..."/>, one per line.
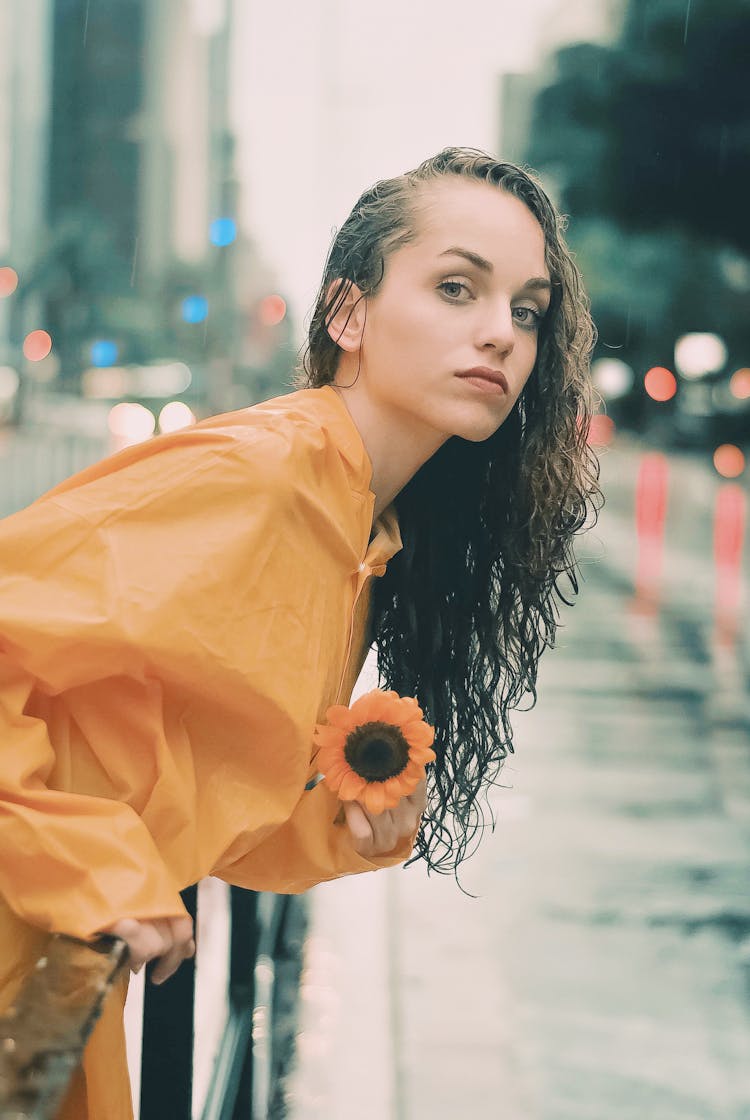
<point x="396" y="992"/>
<point x="602" y="971"/>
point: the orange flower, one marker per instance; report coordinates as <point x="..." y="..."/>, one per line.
<point x="374" y="752"/>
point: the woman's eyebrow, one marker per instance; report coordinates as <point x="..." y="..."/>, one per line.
<point x="469" y="255"/>
<point x="535" y="284"/>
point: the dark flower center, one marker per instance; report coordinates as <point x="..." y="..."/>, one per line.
<point x="376" y="751"/>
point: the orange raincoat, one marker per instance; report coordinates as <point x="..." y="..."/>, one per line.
<point x="173" y="622"/>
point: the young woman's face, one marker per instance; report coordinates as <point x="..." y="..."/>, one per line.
<point x="468" y="293"/>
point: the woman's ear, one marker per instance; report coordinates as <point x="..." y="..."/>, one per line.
<point x="346" y="324"/>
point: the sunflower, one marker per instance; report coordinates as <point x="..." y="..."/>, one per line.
<point x="375" y="751"/>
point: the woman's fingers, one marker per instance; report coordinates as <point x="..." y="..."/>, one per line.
<point x="375" y="834"/>
<point x="170" y="940"/>
<point x="171" y="961"/>
<point x="359" y="826"/>
<point x="418" y="799"/>
<point x="181" y="945"/>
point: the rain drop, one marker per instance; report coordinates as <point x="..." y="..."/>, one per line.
<point x="687" y="20"/>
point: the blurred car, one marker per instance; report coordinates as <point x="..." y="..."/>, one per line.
<point x="713" y="411"/>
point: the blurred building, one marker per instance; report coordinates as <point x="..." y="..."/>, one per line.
<point x="593" y="21"/>
<point x="141" y="164"/>
<point x="24" y="146"/>
<point x="117" y="190"/>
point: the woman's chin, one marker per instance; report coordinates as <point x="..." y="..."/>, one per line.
<point x="476" y="431"/>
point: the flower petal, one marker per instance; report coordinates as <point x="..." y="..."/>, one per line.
<point x="374" y="797"/>
<point x="351" y="786"/>
<point x="333" y="783"/>
<point x="394" y="787"/>
<point x="338" y="715"/>
<point x="337" y="770"/>
<point x="328" y="755"/>
<point x="327" y="736"/>
<point x="410" y="705"/>
<point x="418" y="734"/>
<point x="421" y="755"/>
<point x="383" y="707"/>
<point x="369" y="707"/>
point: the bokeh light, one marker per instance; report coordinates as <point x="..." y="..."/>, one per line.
<point x="271" y="310"/>
<point x="9" y="382"/>
<point x="37" y="346"/>
<point x="612" y="377"/>
<point x="739" y="384"/>
<point x="105" y="383"/>
<point x="160" y="379"/>
<point x="104" y="352"/>
<point x="729" y="460"/>
<point x="699" y="353"/>
<point x="130" y="422"/>
<point x="223" y="231"/>
<point x="195" y="309"/>
<point x="175" y="415"/>
<point x="8" y="281"/>
<point x="601" y="431"/>
<point x="660" y="383"/>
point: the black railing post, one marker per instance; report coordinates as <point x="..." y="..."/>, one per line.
<point x="243" y="952"/>
<point x="167" y="1051"/>
<point x="246" y="1066"/>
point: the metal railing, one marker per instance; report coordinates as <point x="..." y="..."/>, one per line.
<point x="43" y="1036"/>
<point x="33" y="462"/>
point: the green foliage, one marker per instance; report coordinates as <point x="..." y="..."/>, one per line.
<point x="655" y="130"/>
<point x="647" y="144"/>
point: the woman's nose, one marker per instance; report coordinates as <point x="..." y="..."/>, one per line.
<point x="497" y="328"/>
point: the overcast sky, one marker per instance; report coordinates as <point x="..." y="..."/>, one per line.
<point x="330" y="95"/>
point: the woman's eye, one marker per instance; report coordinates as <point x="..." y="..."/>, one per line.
<point x="528" y="316"/>
<point x="453" y="288"/>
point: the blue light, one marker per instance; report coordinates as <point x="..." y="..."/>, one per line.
<point x="104" y="353"/>
<point x="223" y="231"/>
<point x="195" y="309"/>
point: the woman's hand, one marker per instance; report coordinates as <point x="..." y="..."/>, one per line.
<point x="376" y="834"/>
<point x="169" y="939"/>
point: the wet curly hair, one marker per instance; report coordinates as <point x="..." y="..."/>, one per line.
<point x="465" y="610"/>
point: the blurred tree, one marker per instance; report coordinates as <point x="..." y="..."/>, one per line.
<point x="655" y="130"/>
<point x="647" y="143"/>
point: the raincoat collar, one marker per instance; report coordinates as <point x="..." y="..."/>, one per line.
<point x="386" y="541"/>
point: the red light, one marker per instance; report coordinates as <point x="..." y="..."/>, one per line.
<point x="651" y="500"/>
<point x="739" y="384"/>
<point x="729" y="460"/>
<point x="660" y="383"/>
<point x="8" y="281"/>
<point x="271" y="310"/>
<point x="729" y="533"/>
<point x="36" y="346"/>
<point x="601" y="430"/>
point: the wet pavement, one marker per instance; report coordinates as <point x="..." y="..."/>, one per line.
<point x="603" y="970"/>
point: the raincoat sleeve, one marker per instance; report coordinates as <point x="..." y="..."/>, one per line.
<point x="153" y="726"/>
<point x="310" y="848"/>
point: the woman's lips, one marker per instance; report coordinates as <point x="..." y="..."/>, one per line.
<point x="486" y="383"/>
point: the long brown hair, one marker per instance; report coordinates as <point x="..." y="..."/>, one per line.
<point x="465" y="610"/>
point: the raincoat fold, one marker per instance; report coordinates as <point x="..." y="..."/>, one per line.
<point x="173" y="622"/>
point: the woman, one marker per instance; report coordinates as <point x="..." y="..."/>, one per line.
<point x="177" y="618"/>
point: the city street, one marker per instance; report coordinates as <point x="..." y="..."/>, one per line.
<point x="206" y="205"/>
<point x="602" y="970"/>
